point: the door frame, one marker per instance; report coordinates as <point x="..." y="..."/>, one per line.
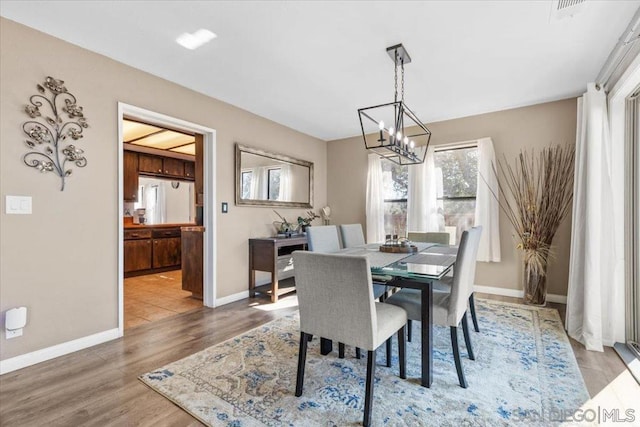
<point x="209" y="211"/>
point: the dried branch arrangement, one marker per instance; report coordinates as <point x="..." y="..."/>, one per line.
<point x="536" y="195"/>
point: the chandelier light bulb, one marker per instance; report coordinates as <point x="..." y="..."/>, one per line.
<point x="406" y="140"/>
<point x="381" y="125"/>
<point x="399" y="135"/>
<point x="412" y="144"/>
<point x="391" y="130"/>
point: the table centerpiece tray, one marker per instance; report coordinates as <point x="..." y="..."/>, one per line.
<point x="398" y="249"/>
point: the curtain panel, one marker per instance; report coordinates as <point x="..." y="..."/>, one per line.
<point x="422" y="196"/>
<point x="487" y="211"/>
<point x="590" y="310"/>
<point x="375" y="201"/>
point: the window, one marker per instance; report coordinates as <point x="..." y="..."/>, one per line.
<point x="246" y="184"/>
<point x="456" y="171"/>
<point x="457" y="175"/>
<point x="395" y="179"/>
<point x="274" y="184"/>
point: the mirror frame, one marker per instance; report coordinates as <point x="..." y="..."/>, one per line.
<point x="275" y="203"/>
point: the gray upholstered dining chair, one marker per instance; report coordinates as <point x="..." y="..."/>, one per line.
<point x="429" y="237"/>
<point x="352" y="235"/>
<point x="449" y="308"/>
<point x="444" y="285"/>
<point x="323" y="238"/>
<point x="336" y="302"/>
<point x="440" y="238"/>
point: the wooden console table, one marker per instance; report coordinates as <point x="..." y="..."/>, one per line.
<point x="264" y="255"/>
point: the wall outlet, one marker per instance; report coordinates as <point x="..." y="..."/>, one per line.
<point x="12" y="333"/>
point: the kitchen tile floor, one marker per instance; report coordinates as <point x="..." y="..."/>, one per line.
<point x="154" y="297"/>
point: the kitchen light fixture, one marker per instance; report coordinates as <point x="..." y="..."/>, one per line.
<point x="392" y="130"/>
<point x="195" y="40"/>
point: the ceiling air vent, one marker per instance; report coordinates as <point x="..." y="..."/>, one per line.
<point x="561" y="9"/>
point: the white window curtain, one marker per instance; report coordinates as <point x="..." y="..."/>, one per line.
<point x="487" y="207"/>
<point x="285" y="183"/>
<point x="422" y="196"/>
<point x="590" y="309"/>
<point x="155" y="203"/>
<point x="259" y="182"/>
<point x="375" y="201"/>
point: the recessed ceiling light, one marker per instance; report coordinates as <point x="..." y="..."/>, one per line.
<point x="195" y="40"/>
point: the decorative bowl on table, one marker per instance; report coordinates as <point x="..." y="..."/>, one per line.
<point x="397" y="248"/>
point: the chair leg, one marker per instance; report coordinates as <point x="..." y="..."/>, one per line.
<point x="302" y="358"/>
<point x="472" y="306"/>
<point x="358" y="353"/>
<point x="388" y="352"/>
<point x="402" y="351"/>
<point x="409" y="329"/>
<point x="467" y="338"/>
<point x="341" y="350"/>
<point x="456" y="356"/>
<point x="368" y="394"/>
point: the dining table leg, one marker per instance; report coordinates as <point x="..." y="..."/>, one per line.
<point x="427" y="334"/>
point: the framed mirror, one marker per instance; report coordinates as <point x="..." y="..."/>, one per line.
<point x="270" y="179"/>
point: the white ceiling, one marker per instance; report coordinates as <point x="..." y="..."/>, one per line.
<point x="311" y="65"/>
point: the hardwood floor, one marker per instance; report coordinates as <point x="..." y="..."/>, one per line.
<point x="99" y="386"/>
<point x="155" y="296"/>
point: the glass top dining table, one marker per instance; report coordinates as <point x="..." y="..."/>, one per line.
<point x="416" y="271"/>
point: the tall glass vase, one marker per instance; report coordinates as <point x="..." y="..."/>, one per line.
<point x="535" y="279"/>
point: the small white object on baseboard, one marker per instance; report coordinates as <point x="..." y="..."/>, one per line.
<point x="15" y="319"/>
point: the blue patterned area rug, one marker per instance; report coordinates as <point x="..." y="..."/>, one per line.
<point x="524" y="373"/>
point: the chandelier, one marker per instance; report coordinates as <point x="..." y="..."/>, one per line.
<point x="392" y="130"/>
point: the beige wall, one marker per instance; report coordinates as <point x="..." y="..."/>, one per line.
<point x="512" y="130"/>
<point x="61" y="261"/>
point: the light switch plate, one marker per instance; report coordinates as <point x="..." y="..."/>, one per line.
<point x="225" y="207"/>
<point x="20" y="205"/>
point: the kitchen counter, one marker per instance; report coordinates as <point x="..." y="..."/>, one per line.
<point x="143" y="226"/>
<point x="196" y="228"/>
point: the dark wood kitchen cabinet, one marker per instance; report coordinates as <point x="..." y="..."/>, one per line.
<point x="137" y="250"/>
<point x="137" y="255"/>
<point x="192" y="260"/>
<point x="149" y="163"/>
<point x="189" y="170"/>
<point x="166" y="252"/>
<point x="173" y="167"/>
<point x="130" y="174"/>
<point x="151" y="249"/>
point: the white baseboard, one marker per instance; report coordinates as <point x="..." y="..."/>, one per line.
<point x="562" y="299"/>
<point x="516" y="293"/>
<point x="28" y="359"/>
<point x="232" y="298"/>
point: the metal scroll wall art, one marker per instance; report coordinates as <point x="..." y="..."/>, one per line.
<point x="57" y="119"/>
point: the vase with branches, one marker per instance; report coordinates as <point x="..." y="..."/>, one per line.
<point x="536" y="195"/>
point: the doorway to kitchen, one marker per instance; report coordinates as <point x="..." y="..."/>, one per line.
<point x="166" y="236"/>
